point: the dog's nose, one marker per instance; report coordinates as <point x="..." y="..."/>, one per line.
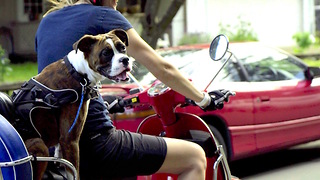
<point x="124" y="61"/>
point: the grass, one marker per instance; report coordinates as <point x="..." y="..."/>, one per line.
<point x="20" y="72"/>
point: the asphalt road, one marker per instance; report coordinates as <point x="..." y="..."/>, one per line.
<point x="297" y="163"/>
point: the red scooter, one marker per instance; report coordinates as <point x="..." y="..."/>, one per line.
<point x="15" y="162"/>
<point x="169" y="123"/>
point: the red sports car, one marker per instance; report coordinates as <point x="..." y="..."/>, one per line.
<point x="277" y="103"/>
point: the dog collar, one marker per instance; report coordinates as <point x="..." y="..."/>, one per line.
<point x="83" y="79"/>
<point x="91" y="92"/>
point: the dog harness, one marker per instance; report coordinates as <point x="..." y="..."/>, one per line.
<point x="34" y="95"/>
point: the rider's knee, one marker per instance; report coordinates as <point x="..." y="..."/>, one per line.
<point x="199" y="160"/>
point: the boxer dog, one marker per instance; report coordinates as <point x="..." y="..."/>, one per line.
<point x="57" y="92"/>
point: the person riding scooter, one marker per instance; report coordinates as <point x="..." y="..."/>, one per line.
<point x="104" y="150"/>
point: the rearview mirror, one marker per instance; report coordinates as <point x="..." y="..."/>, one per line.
<point x="218" y="47"/>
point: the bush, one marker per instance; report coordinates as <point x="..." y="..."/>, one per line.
<point x="239" y="32"/>
<point x="4" y="64"/>
<point x="303" y="39"/>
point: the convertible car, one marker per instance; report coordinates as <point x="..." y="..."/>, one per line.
<point x="277" y="103"/>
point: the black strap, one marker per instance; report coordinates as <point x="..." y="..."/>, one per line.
<point x="90" y="92"/>
<point x="35" y="92"/>
<point x="82" y="78"/>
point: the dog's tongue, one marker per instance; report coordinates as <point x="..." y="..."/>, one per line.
<point x="122" y="76"/>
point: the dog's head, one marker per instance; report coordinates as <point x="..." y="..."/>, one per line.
<point x="106" y="54"/>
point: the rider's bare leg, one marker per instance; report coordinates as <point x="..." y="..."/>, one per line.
<point x="184" y="158"/>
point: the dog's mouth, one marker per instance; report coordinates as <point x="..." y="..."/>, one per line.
<point x="117" y="68"/>
<point x="123" y="76"/>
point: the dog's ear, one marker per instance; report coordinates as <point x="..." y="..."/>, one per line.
<point x="85" y="43"/>
<point x="122" y="35"/>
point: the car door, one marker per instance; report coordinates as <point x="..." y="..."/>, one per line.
<point x="286" y="105"/>
<point x="286" y="114"/>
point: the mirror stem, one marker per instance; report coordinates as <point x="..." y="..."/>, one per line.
<point x="225" y="62"/>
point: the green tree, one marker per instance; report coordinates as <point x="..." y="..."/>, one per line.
<point x="4" y="64"/>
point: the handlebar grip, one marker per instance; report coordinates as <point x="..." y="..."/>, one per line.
<point x="128" y="102"/>
<point x="121" y="103"/>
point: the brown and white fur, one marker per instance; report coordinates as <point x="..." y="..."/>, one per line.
<point x="101" y="56"/>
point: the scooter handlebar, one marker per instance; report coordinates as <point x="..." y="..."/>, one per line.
<point x="218" y="100"/>
<point x="126" y="102"/>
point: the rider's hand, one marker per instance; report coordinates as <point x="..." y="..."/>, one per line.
<point x="215" y="99"/>
<point x="218" y="97"/>
<point x="112" y="103"/>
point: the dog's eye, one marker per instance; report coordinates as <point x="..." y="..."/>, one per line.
<point x="107" y="53"/>
<point x="121" y="48"/>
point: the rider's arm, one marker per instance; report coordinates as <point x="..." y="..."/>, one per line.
<point x="160" y="68"/>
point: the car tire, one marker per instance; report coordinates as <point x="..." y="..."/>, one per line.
<point x="219" y="139"/>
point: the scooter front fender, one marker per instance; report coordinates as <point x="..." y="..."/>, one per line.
<point x="192" y="128"/>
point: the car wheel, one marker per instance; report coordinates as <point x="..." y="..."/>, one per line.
<point x="219" y="139"/>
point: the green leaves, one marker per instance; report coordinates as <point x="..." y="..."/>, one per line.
<point x="240" y="32"/>
<point x="4" y="64"/>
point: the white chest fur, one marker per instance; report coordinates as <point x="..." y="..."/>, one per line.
<point x="81" y="65"/>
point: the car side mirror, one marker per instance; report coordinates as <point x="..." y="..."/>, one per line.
<point x="308" y="73"/>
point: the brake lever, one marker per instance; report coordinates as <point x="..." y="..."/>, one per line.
<point x="225" y="97"/>
<point x="229" y="93"/>
<point x="233" y="93"/>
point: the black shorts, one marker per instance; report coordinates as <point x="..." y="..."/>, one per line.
<point x="120" y="153"/>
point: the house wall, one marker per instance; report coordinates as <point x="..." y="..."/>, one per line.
<point x="12" y="16"/>
<point x="7" y="11"/>
<point x="274" y="22"/>
<point x="7" y="15"/>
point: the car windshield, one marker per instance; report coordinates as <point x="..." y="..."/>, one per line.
<point x="263" y="63"/>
